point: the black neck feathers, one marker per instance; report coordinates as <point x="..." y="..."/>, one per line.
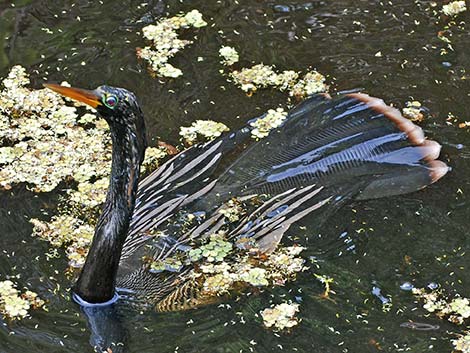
<point x="96" y="283"/>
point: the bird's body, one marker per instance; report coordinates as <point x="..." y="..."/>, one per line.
<point x="327" y="151"/>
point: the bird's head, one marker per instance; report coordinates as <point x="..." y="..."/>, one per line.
<point x="117" y="105"/>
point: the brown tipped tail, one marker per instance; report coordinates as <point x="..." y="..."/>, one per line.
<point x="423" y="168"/>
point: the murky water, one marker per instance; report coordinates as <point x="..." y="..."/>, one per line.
<point x="391" y="49"/>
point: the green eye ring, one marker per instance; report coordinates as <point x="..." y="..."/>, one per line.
<point x="110" y="101"/>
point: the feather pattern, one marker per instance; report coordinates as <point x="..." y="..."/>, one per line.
<point x="327" y="152"/>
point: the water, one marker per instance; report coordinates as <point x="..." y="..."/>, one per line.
<point x="418" y="238"/>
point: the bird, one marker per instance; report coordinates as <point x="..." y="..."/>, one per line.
<point x="328" y="151"/>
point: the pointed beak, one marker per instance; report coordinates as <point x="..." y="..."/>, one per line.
<point x="82" y="95"/>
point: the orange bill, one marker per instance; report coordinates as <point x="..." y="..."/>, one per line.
<point x="78" y="94"/>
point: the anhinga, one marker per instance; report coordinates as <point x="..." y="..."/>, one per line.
<point x="328" y="151"/>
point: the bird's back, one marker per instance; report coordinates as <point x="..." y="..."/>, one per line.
<point x="327" y="151"/>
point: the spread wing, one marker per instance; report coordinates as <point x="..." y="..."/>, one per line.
<point x="327" y="152"/>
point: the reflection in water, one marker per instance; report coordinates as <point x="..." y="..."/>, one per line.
<point x="106" y="330"/>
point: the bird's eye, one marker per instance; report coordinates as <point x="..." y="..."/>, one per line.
<point x="110" y="101"/>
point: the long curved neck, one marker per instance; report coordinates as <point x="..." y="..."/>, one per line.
<point x="96" y="283"/>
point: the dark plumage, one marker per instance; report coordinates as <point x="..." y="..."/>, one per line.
<point x="327" y="152"/>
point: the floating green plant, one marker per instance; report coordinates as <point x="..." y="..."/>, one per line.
<point x="204" y="129"/>
<point x="15" y="305"/>
<point x="229" y="55"/>
<point x="214" y="251"/>
<point x="44" y="142"/>
<point x="246" y="267"/>
<point x="462" y="343"/>
<point x="263" y="76"/>
<point x="454" y="8"/>
<point x="165" y="42"/>
<point x="455" y="310"/>
<point x="413" y="111"/>
<point x="272" y="120"/>
<point x="232" y="210"/>
<point x="281" y="316"/>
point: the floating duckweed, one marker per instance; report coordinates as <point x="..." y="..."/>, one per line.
<point x="281" y="316"/>
<point x="461" y="307"/>
<point x="90" y="194"/>
<point x="313" y="82"/>
<point x="258" y="76"/>
<point x="462" y="344"/>
<point x="217" y="284"/>
<point x="9" y="154"/>
<point x="232" y="210"/>
<point x="255" y="276"/>
<point x="194" y="19"/>
<point x="165" y="42"/>
<point x="454" y="8"/>
<point x="272" y="120"/>
<point x="456" y="310"/>
<point x="169" y="264"/>
<point x="229" y="55"/>
<point x="66" y="230"/>
<point x="14" y="305"/>
<point x="207" y="129"/>
<point x="216" y="268"/>
<point x="153" y="156"/>
<point x="275" y="268"/>
<point x="49" y="142"/>
<point x="221" y="272"/>
<point x="413" y="111"/>
<point x="263" y="76"/>
<point x="284" y="264"/>
<point x="195" y="254"/>
<point x="46" y="144"/>
<point x="215" y="250"/>
<point x="7" y="288"/>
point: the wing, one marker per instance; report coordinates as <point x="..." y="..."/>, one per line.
<point x="327" y="152"/>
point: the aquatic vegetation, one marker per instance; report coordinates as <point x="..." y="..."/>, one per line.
<point x="232" y="210"/>
<point x="15" y="305"/>
<point x="169" y="264"/>
<point x="218" y="266"/>
<point x="462" y="344"/>
<point x="66" y="230"/>
<point x="229" y="55"/>
<point x="272" y="120"/>
<point x="89" y="194"/>
<point x="217" y="284"/>
<point x="281" y="316"/>
<point x="313" y="82"/>
<point x="241" y="268"/>
<point x="413" y="111"/>
<point x="455" y="310"/>
<point x="153" y="157"/>
<point x="263" y="76"/>
<point x="454" y="8"/>
<point x="258" y="76"/>
<point x="44" y="142"/>
<point x="165" y="42"/>
<point x="214" y="251"/>
<point x="255" y="276"/>
<point x="205" y="129"/>
<point x="327" y="281"/>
